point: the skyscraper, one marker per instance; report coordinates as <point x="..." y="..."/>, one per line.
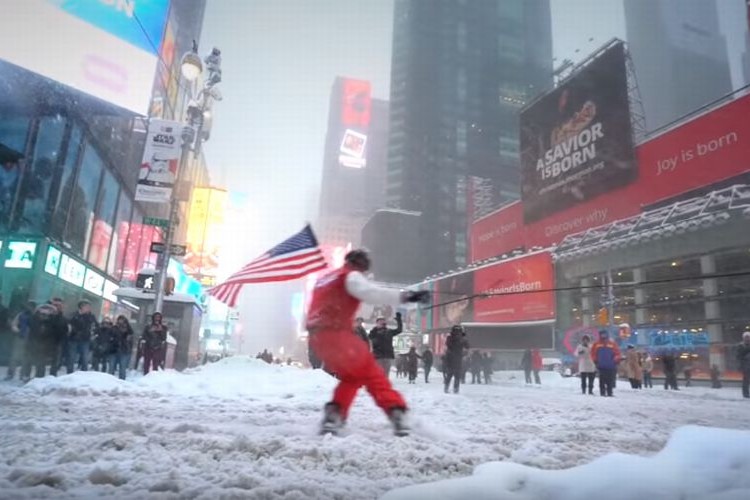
<point x="461" y="70"/>
<point x="354" y="162"/>
<point x="680" y="56"/>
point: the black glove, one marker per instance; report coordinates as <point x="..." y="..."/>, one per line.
<point x="421" y="296"/>
<point x="398" y="316"/>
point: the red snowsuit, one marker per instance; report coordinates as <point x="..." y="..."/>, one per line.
<point x="330" y="319"/>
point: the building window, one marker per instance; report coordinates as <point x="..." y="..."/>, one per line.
<point x="101" y="235"/>
<point x="84" y="198"/>
<point x="13" y="133"/>
<point x="118" y="249"/>
<point x="40" y="174"/>
<point x="65" y="185"/>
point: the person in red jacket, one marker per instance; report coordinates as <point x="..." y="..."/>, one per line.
<point x="536" y="364"/>
<point x="335" y="301"/>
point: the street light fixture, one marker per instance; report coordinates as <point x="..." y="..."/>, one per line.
<point x="191" y="65"/>
<point x="192" y="136"/>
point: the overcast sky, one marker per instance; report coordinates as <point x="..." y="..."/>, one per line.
<point x="279" y="60"/>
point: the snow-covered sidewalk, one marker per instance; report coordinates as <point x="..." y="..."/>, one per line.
<point x="243" y="429"/>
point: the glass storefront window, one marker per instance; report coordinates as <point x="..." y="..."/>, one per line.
<point x="101" y="235"/>
<point x="13" y="132"/>
<point x="84" y="197"/>
<point x="65" y="185"/>
<point x="120" y="237"/>
<point x="40" y="175"/>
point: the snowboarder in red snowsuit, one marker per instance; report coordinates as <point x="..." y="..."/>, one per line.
<point x="334" y="304"/>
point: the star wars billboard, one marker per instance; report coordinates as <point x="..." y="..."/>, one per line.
<point x="576" y="141"/>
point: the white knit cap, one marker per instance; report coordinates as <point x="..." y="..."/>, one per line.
<point x="746" y="335"/>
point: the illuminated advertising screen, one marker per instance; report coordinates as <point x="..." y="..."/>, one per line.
<point x="520" y="290"/>
<point x="356" y="107"/>
<point x="72" y="271"/>
<point x="93" y="282"/>
<point x="20" y="255"/>
<point x="454" y="305"/>
<point x="356" y="113"/>
<point x="208" y="208"/>
<point x="107" y="49"/>
<point x="52" y="264"/>
<point x="576" y="141"/>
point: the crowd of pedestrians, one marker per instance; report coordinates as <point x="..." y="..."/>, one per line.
<point x="44" y="341"/>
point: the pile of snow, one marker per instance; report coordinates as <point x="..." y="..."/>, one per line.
<point x="229" y="378"/>
<point x="697" y="463"/>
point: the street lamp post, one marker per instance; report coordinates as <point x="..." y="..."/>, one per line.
<point x="191" y="68"/>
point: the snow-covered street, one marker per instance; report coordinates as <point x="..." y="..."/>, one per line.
<point x="243" y="429"/>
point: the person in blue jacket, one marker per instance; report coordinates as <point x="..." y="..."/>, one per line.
<point x="606" y="355"/>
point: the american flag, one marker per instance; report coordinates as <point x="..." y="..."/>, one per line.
<point x="294" y="258"/>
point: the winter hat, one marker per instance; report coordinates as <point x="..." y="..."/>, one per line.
<point x="746" y="335"/>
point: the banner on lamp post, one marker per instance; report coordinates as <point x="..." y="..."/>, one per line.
<point x="161" y="157"/>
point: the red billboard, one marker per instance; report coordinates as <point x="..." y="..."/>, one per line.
<point x="522" y="290"/>
<point x="498" y="233"/>
<point x="357" y="104"/>
<point x="706" y="150"/>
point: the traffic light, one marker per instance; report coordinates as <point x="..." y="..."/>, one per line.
<point x="602" y="317"/>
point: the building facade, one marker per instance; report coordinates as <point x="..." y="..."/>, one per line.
<point x="460" y="73"/>
<point x="680" y="56"/>
<point x="354" y="162"/>
<point x="69" y="223"/>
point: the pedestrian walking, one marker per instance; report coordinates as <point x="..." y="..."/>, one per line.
<point x="427" y="360"/>
<point x="103" y="346"/>
<point x="20" y="331"/>
<point x="606" y="356"/>
<point x="743" y="359"/>
<point x="455" y="345"/>
<point x="412" y="364"/>
<point x="487" y="368"/>
<point x="47" y="327"/>
<point x="123" y="337"/>
<point x="526" y="365"/>
<point x="586" y="367"/>
<point x="669" y="362"/>
<point x="648" y="369"/>
<point x="83" y="326"/>
<point x="688" y="372"/>
<point x="475" y="363"/>
<point x="536" y="365"/>
<point x="633" y="367"/>
<point x="154" y="341"/>
<point x="715" y="377"/>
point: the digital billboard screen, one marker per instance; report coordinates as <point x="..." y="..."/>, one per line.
<point x="519" y="290"/>
<point x="356" y="113"/>
<point x="107" y="49"/>
<point x="576" y="141"/>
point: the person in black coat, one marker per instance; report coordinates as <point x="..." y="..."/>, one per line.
<point x="427" y="360"/>
<point x="475" y="363"/>
<point x="455" y="346"/>
<point x="154" y="343"/>
<point x="381" y="339"/>
<point x="412" y="364"/>
<point x="670" y="371"/>
<point x="104" y="346"/>
<point x="47" y="329"/>
<point x="487" y="367"/>
<point x="83" y="326"/>
<point x="123" y="337"/>
<point x="360" y="331"/>
<point x="743" y="358"/>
